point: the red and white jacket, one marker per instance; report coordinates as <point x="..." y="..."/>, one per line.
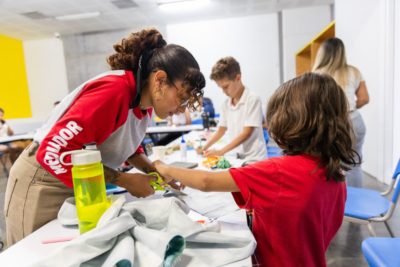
<point x="97" y="111"/>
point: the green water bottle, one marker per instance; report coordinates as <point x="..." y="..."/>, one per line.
<point x="89" y="187"/>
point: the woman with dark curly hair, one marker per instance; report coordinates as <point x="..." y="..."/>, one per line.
<point x="112" y="110"/>
<point x="298" y="199"/>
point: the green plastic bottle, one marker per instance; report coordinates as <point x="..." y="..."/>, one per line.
<point x="89" y="188"/>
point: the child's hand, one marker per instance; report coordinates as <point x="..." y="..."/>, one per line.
<point x="200" y="150"/>
<point x="162" y="169"/>
<point x="213" y="152"/>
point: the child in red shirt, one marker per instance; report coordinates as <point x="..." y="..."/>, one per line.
<point x="298" y="199"/>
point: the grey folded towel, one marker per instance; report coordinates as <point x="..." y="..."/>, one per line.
<point x="149" y="233"/>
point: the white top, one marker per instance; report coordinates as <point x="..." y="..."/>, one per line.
<point x="353" y="82"/>
<point x="4" y="129"/>
<point x="179" y="119"/>
<point x="246" y="113"/>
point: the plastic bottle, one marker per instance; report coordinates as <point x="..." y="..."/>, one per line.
<point x="183" y="149"/>
<point x="89" y="187"/>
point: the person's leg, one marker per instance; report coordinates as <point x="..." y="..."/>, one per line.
<point x="14" y="153"/>
<point x="16" y="149"/>
<point x="21" y="175"/>
<point x="33" y="197"/>
<point x="45" y="197"/>
<point x="354" y="176"/>
<point x="3" y="148"/>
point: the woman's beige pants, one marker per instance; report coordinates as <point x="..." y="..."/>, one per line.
<point x="33" y="196"/>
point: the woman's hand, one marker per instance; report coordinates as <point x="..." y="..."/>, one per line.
<point x="137" y="184"/>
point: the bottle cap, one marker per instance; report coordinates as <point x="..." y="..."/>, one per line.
<point x="90" y="146"/>
<point x="86" y="157"/>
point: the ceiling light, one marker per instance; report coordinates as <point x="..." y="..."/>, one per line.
<point x="181" y="5"/>
<point x="78" y="16"/>
<point x="35" y="15"/>
<point x="123" y="4"/>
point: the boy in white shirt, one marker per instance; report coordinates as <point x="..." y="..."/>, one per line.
<point x="241" y="115"/>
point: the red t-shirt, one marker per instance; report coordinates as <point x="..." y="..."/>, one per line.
<point x="97" y="111"/>
<point x="297" y="211"/>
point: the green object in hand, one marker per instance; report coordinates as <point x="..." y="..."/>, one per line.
<point x="223" y="163"/>
<point x="158" y="184"/>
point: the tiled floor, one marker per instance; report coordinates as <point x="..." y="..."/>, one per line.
<point x="344" y="251"/>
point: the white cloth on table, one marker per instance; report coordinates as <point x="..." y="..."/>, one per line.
<point x="150" y="233"/>
<point x="222" y="203"/>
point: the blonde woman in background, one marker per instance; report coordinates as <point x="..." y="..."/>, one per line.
<point x="331" y="59"/>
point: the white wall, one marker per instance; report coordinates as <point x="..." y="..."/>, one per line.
<point x="396" y="86"/>
<point x="86" y="54"/>
<point x="252" y="40"/>
<point x="47" y="80"/>
<point x="299" y="26"/>
<point x="368" y="35"/>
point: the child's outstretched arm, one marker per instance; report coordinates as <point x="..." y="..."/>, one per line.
<point x="244" y="134"/>
<point x="202" y="180"/>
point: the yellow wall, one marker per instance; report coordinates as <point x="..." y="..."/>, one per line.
<point x="14" y="92"/>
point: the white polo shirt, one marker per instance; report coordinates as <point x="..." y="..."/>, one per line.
<point x="246" y="113"/>
<point x="179" y="119"/>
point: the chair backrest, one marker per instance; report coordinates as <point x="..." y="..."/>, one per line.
<point x="395" y="176"/>
<point x="266" y="135"/>
<point x="208" y="107"/>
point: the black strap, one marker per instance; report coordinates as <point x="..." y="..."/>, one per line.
<point x="136" y="100"/>
<point x="142" y="64"/>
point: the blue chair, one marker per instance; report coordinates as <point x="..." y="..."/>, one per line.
<point x="266" y="135"/>
<point x="197" y="121"/>
<point x="273" y="151"/>
<point x="381" y="251"/>
<point x="364" y="206"/>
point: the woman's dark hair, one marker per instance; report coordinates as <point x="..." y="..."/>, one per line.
<point x="309" y="115"/>
<point x="148" y="49"/>
<point x="226" y="67"/>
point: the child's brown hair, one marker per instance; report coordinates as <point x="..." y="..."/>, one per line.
<point x="308" y="115"/>
<point x="225" y="68"/>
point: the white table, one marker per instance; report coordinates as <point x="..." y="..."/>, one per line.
<point x="174" y="129"/>
<point x="16" y="137"/>
<point x="31" y="249"/>
<point x="219" y="206"/>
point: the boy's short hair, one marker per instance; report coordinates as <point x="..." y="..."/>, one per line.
<point x="226" y="67"/>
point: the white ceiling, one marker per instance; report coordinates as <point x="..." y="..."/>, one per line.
<point x="142" y="13"/>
